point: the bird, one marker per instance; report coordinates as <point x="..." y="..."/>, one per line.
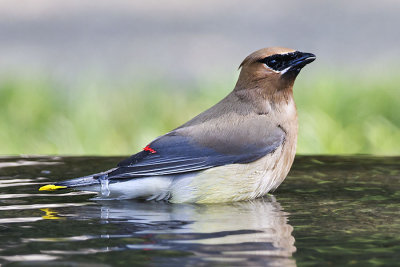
<point x="239" y="149"/>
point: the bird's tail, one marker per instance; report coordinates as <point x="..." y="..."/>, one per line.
<point x="80" y="182"/>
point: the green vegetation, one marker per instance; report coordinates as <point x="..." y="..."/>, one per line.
<point x="337" y="115"/>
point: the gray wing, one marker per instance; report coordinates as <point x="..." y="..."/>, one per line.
<point x="176" y="154"/>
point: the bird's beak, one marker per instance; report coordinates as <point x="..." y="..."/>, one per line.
<point x="296" y="64"/>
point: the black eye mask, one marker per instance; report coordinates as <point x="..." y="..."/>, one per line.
<point x="295" y="60"/>
<point x="280" y="62"/>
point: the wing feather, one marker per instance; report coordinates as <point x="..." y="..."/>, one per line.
<point x="176" y="154"/>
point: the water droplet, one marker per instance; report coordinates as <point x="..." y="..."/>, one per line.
<point x="105" y="189"/>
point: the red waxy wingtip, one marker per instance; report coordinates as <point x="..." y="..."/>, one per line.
<point x="148" y="148"/>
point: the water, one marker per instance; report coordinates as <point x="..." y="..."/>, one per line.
<point x="329" y="211"/>
<point x="104" y="186"/>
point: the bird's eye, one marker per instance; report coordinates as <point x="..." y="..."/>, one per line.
<point x="273" y="62"/>
<point x="279" y="62"/>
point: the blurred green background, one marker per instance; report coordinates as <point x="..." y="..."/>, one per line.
<point x="105" y="79"/>
<point x="337" y="115"/>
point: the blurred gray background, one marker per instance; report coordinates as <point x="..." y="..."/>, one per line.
<point x="68" y="40"/>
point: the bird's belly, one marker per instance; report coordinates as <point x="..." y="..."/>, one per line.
<point x="233" y="182"/>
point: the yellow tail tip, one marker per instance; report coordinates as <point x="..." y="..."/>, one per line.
<point x="51" y="187"/>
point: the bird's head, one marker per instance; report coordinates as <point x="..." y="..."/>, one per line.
<point x="272" y="69"/>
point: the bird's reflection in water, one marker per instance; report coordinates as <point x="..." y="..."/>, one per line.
<point x="219" y="231"/>
<point x="247" y="233"/>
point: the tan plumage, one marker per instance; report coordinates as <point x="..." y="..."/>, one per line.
<point x="241" y="148"/>
<point x="260" y="101"/>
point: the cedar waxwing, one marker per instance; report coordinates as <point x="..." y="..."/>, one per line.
<point x="239" y="149"/>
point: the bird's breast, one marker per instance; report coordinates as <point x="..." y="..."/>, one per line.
<point x="235" y="182"/>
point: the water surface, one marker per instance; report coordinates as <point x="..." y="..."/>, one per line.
<point x="329" y="211"/>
